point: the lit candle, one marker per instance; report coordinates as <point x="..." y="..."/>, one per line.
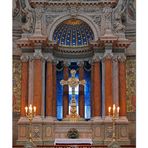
<point x="118" y="108"/>
<point x="26" y="109"/>
<point x="109" y="109"/>
<point x="114" y="107"/>
<point x="30" y="108"/>
<point x="34" y="108"/>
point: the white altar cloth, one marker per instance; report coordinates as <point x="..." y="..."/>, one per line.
<point x="72" y="141"/>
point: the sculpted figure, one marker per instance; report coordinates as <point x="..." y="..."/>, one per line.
<point x="117" y="16"/>
<point x="27" y="20"/>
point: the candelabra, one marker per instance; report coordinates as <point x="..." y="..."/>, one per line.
<point x="30" y="113"/>
<point x="114" y="115"/>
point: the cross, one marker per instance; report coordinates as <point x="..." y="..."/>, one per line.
<point x="73" y="82"/>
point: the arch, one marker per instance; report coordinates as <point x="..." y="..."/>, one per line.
<point x="60" y="19"/>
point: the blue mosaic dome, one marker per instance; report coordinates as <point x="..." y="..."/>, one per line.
<point x="73" y="32"/>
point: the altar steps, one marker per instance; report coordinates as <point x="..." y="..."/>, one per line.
<point x="75" y="146"/>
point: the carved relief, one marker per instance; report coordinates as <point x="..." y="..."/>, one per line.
<point x="48" y="131"/>
<point x="27" y="20"/>
<point x="36" y="132"/>
<point x="16" y="7"/>
<point x="131" y="84"/>
<point x="108" y="132"/>
<point x="97" y="132"/>
<point x="132" y="9"/>
<point x="50" y="19"/>
<point x="16" y="85"/>
<point x="123" y="131"/>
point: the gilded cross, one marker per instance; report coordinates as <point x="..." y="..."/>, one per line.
<point x="73" y="82"/>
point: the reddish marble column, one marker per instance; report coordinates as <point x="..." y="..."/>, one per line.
<point x="65" y="93"/>
<point x="96" y="89"/>
<point x="37" y="99"/>
<point x="122" y="86"/>
<point x="49" y="89"/>
<point x="54" y="108"/>
<point x="108" y="83"/>
<point x="81" y="92"/>
<point x="24" y="85"/>
<point x="92" y="90"/>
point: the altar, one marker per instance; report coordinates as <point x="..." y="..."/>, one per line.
<point x="72" y="141"/>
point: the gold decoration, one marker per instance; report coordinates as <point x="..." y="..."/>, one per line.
<point x="73" y="22"/>
<point x="131" y="84"/>
<point x="16" y="85"/>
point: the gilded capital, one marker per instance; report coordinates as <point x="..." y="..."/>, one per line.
<point x="96" y="58"/>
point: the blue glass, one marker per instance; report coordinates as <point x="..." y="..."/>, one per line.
<point x="87" y="94"/>
<point x="59" y="94"/>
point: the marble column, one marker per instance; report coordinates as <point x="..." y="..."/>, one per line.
<point x="37" y="99"/>
<point x="108" y="82"/>
<point x="81" y="92"/>
<point x="96" y="101"/>
<point x="115" y="84"/>
<point x="24" y="85"/>
<point x="122" y="85"/>
<point x="49" y="88"/>
<point x="65" y="92"/>
<point x="54" y="102"/>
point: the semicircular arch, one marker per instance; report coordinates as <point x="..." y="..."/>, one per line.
<point x="51" y="28"/>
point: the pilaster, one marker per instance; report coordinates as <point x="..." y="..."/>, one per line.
<point x="65" y="92"/>
<point x="108" y="81"/>
<point x="24" y="84"/>
<point x="49" y="87"/>
<point x="37" y="96"/>
<point x="96" y="101"/>
<point x="81" y="91"/>
<point x="122" y="85"/>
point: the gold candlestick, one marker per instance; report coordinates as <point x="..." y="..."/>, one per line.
<point x="114" y="116"/>
<point x="30" y="113"/>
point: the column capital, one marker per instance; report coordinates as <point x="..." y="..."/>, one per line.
<point x="24" y="58"/>
<point x="66" y="63"/>
<point x="115" y="59"/>
<point x="108" y="56"/>
<point x="38" y="54"/>
<point x="50" y="58"/>
<point x="122" y="58"/>
<point x="80" y="63"/>
<point x="96" y="58"/>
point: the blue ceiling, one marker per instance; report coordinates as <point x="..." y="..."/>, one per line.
<point x="73" y="32"/>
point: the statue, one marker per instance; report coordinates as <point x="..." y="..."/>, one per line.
<point x="27" y="20"/>
<point x="16" y="7"/>
<point x="117" y="16"/>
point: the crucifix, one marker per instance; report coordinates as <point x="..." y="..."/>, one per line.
<point x="73" y="82"/>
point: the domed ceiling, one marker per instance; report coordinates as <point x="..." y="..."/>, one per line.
<point x="73" y="32"/>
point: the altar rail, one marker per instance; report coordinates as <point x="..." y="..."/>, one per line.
<point x="72" y="146"/>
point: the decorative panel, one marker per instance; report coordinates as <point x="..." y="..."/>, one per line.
<point x="131" y="84"/>
<point x="16" y="85"/>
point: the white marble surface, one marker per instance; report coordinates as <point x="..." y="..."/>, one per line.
<point x="73" y="141"/>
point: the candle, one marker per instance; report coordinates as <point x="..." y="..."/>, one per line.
<point x="30" y="108"/>
<point x="114" y="107"/>
<point x="118" y="108"/>
<point x="109" y="109"/>
<point x="26" y="108"/>
<point x="34" y="108"/>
